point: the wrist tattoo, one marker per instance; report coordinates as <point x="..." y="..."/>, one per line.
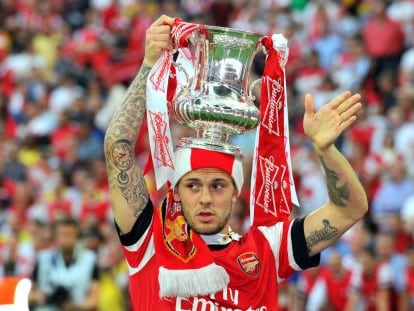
<point x="337" y="194"/>
<point x="134" y="191"/>
<point x="325" y="234"/>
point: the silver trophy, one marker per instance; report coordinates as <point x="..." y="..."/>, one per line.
<point x="215" y="98"/>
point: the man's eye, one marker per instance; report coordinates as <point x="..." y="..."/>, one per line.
<point x="218" y="186"/>
<point x="192" y="186"/>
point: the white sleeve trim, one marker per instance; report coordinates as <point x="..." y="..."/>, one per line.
<point x="273" y="235"/>
<point x="292" y="261"/>
<point x="149" y="252"/>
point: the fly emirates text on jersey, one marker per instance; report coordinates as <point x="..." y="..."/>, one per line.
<point x="205" y="304"/>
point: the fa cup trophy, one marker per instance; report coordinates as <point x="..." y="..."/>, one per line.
<point x="205" y="86"/>
<point x="215" y="98"/>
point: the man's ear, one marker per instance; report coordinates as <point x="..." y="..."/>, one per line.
<point x="176" y="196"/>
<point x="235" y="195"/>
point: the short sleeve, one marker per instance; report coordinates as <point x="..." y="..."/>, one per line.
<point x="288" y="243"/>
<point x="138" y="244"/>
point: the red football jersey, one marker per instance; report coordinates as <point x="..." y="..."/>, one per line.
<point x="369" y="285"/>
<point x="337" y="287"/>
<point x="255" y="263"/>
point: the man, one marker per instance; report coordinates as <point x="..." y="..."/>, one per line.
<point x="65" y="278"/>
<point x="331" y="288"/>
<point x="408" y="294"/>
<point x="371" y="285"/>
<point x="206" y="184"/>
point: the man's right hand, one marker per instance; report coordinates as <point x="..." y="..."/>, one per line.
<point x="158" y="38"/>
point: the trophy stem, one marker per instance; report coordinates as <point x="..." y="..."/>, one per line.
<point x="201" y="143"/>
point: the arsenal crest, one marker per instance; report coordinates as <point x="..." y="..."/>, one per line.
<point x="249" y="263"/>
<point x="177" y="233"/>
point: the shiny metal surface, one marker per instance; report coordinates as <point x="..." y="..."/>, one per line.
<point x="215" y="100"/>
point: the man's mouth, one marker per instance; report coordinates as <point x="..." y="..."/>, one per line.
<point x="205" y="216"/>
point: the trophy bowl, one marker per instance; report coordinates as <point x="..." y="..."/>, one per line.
<point x="216" y="100"/>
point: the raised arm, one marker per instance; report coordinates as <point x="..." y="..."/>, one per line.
<point x="128" y="191"/>
<point x="347" y="199"/>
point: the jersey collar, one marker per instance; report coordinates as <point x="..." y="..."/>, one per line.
<point x="220" y="238"/>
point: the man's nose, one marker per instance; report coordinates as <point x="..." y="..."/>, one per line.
<point x="205" y="195"/>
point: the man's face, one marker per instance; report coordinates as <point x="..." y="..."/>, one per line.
<point x="66" y="237"/>
<point x="367" y="261"/>
<point x="206" y="197"/>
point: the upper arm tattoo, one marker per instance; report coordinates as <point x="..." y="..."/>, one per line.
<point x="337" y="194"/>
<point x="127" y="119"/>
<point x="327" y="233"/>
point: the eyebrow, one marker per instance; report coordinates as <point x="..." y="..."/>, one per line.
<point x="199" y="180"/>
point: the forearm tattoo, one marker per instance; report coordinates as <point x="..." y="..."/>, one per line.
<point x="125" y="176"/>
<point x="120" y="139"/>
<point x="337" y="194"/>
<point x="325" y="234"/>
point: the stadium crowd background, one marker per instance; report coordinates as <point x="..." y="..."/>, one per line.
<point x="65" y="65"/>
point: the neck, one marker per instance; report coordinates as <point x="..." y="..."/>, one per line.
<point x="222" y="238"/>
<point x="67" y="254"/>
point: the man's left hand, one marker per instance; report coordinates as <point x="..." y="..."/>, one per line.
<point x="324" y="126"/>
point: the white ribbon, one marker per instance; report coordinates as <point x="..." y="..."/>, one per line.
<point x="159" y="131"/>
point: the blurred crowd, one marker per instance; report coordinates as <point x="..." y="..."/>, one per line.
<point x="66" y="64"/>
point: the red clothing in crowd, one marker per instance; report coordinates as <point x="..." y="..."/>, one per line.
<point x="61" y="140"/>
<point x="410" y="285"/>
<point x="307" y="280"/>
<point x="337" y="287"/>
<point x="369" y="285"/>
<point x="331" y="289"/>
<point x="402" y="240"/>
<point x="383" y="37"/>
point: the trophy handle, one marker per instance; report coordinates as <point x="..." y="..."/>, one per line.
<point x="250" y="95"/>
<point x="185" y="86"/>
<point x="181" y="68"/>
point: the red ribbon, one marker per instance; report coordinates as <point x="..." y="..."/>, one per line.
<point x="271" y="196"/>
